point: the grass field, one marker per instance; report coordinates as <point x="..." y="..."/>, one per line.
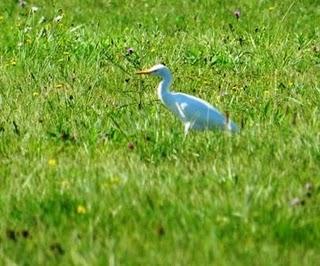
<point x="95" y="171"/>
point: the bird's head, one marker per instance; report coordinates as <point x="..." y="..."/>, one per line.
<point x="157" y="70"/>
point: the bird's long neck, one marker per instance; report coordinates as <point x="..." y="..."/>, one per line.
<point x="164" y="88"/>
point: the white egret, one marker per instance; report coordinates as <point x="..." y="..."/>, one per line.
<point x="195" y="113"/>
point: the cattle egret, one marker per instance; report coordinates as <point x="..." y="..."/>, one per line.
<point x="195" y="113"/>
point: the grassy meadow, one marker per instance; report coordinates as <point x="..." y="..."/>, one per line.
<point x="95" y="171"/>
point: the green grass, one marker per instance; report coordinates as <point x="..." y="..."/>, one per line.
<point x="95" y="171"/>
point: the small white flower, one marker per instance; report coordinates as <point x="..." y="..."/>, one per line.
<point x="42" y="20"/>
<point x="22" y="3"/>
<point x="34" y="9"/>
<point x="58" y="18"/>
<point x="26" y="29"/>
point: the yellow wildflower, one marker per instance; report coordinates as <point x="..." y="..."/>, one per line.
<point x="52" y="162"/>
<point x="65" y="184"/>
<point x="59" y="86"/>
<point x="267" y="93"/>
<point x="223" y="220"/>
<point x="113" y="181"/>
<point x="81" y="209"/>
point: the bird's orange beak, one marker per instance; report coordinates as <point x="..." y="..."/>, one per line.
<point x="146" y="71"/>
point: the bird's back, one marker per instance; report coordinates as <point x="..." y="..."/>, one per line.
<point x="201" y="114"/>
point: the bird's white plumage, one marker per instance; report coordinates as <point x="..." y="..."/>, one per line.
<point x="195" y="113"/>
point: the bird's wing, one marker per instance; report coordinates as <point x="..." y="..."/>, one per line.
<point x="180" y="108"/>
<point x="196" y="109"/>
